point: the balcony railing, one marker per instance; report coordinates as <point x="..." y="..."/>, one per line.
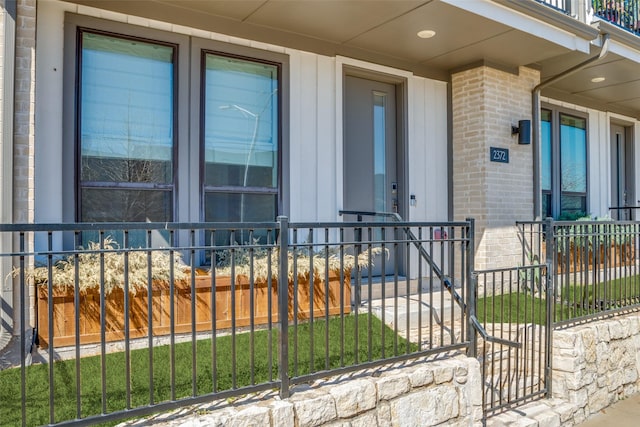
<point x="622" y="13"/>
<point x="561" y="5"/>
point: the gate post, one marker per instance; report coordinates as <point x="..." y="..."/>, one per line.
<point x="283" y="306"/>
<point x="472" y="289"/>
<point x="550" y="299"/>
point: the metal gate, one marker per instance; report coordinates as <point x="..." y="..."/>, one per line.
<point x="512" y="317"/>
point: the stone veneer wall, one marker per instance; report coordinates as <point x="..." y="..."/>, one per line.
<point x="486" y="102"/>
<point x="594" y="366"/>
<point x="597" y="364"/>
<point x="424" y="393"/>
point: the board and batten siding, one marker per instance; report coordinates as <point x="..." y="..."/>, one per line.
<point x="315" y="146"/>
<point x="315" y="126"/>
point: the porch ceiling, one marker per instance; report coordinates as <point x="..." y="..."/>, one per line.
<point x="384" y="31"/>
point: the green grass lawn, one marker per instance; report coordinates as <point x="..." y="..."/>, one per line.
<point x="522" y="308"/>
<point x="511" y="308"/>
<point x="37" y="376"/>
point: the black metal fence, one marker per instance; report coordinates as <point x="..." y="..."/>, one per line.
<point x="121" y="320"/>
<point x="513" y="317"/>
<point x="594" y="265"/>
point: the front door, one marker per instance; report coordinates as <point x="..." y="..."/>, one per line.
<point x="622" y="174"/>
<point x="371" y="181"/>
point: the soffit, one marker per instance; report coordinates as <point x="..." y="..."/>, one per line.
<point x="384" y="32"/>
<point x="619" y="92"/>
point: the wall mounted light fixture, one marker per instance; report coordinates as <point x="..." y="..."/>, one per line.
<point x="523" y="130"/>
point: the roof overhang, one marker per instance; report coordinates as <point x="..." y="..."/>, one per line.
<point x="505" y="33"/>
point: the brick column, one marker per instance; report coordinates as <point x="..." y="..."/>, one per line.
<point x="25" y="83"/>
<point x="486" y="102"/>
<point x="17" y="140"/>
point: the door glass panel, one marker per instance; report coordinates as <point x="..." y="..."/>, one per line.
<point x="379" y="152"/>
<point x="619" y="170"/>
<point x="545" y="142"/>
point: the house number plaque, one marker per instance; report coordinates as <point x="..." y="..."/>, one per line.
<point x="500" y="155"/>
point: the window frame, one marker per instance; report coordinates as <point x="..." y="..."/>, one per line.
<point x="200" y="48"/>
<point x="188" y="190"/>
<point x="81" y="184"/>
<point x="71" y="157"/>
<point x="556" y="193"/>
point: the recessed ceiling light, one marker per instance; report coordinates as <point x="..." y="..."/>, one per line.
<point x="426" y="34"/>
<point x="598" y="79"/>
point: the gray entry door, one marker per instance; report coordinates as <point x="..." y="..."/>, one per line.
<point x="370" y="150"/>
<point x="622" y="174"/>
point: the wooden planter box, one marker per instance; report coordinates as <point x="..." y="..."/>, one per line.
<point x="89" y="308"/>
<point x="581" y="259"/>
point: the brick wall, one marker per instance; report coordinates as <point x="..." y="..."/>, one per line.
<point x="2" y="47"/>
<point x="486" y="102"/>
<point x="22" y="187"/>
<point x="23" y="160"/>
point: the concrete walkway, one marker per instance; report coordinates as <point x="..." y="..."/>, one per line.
<point x="557" y="412"/>
<point x="625" y="413"/>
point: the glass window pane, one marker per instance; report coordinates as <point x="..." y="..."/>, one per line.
<point x="135" y="238"/>
<point x="573" y="154"/>
<point x="546" y="204"/>
<point x="572" y="207"/>
<point x="231" y="207"/>
<point x="545" y="142"/>
<point x="126" y="110"/>
<point x="243" y="207"/>
<point x="109" y="169"/>
<point x="240" y="123"/>
<point x="116" y="205"/>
